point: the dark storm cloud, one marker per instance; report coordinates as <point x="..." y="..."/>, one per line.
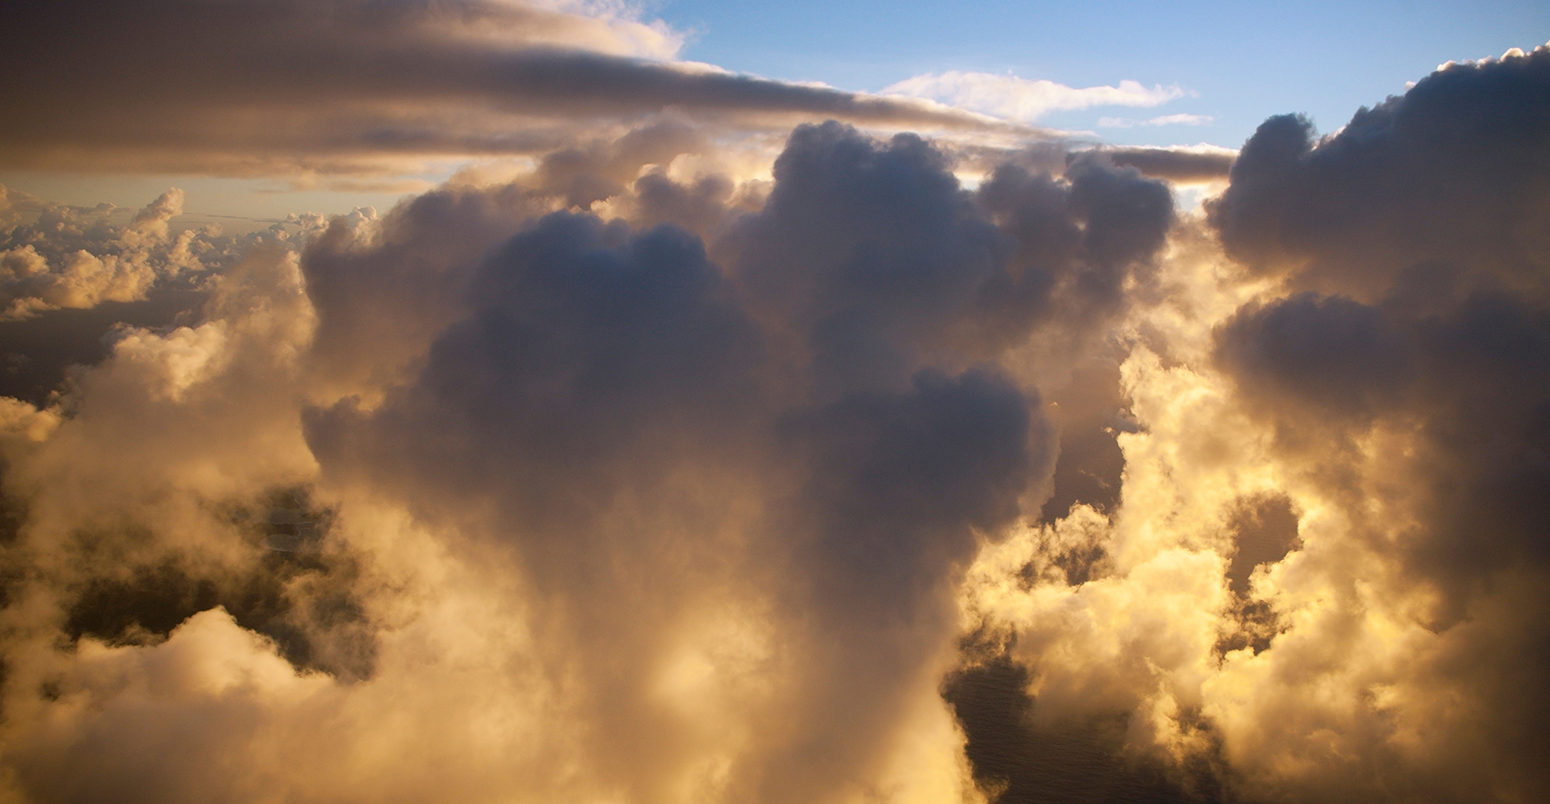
<point x="1264" y="531"/>
<point x="584" y="409"/>
<point x="1457" y="409"/>
<point x="1027" y="762"/>
<point x="1090" y="415"/>
<point x="250" y="87"/>
<point x="699" y="207"/>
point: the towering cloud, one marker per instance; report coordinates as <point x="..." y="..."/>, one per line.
<point x="630" y="477"/>
<point x="1347" y="430"/>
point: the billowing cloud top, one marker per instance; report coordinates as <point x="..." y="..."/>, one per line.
<point x="627" y="477"/>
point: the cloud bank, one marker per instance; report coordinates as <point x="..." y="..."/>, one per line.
<point x="627" y="477"/>
<point x="350" y="87"/>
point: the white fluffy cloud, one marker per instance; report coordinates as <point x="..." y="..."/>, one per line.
<point x="1161" y="120"/>
<point x="87" y="260"/>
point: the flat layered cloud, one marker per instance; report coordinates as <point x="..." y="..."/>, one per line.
<point x="348" y="87"/>
<point x="1189" y="164"/>
<point x="629" y="475"/>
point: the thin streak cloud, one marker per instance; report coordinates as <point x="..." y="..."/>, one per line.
<point x="1026" y="100"/>
<point x="1163" y="120"/>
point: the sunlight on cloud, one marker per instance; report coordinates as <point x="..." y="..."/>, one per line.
<point x="677" y="459"/>
<point x="1025" y="100"/>
<point x="1164" y="120"/>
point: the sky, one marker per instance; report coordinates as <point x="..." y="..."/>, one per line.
<point x="540" y="400"/>
<point x="1222" y="68"/>
<point x="1238" y="62"/>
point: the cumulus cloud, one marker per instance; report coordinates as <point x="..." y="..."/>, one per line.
<point x="1322" y="213"/>
<point x="85" y="260"/>
<point x="1329" y="428"/>
<point x="632" y="475"/>
<point x="669" y="497"/>
<point x="1015" y="98"/>
<point x="73" y="280"/>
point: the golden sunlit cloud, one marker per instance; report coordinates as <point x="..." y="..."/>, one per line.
<point x="662" y="457"/>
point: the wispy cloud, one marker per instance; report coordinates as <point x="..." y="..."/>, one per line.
<point x="1026" y="100"/>
<point x="1164" y="120"/>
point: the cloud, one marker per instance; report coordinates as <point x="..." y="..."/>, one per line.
<point x="1184" y="165"/>
<point x="127" y="262"/>
<point x="1325" y="213"/>
<point x="659" y="385"/>
<point x="1025" y="100"/>
<point x="353" y="88"/>
<point x="631" y="473"/>
<point x="1163" y="120"/>
<point x="652" y="496"/>
<point x="1336" y="429"/>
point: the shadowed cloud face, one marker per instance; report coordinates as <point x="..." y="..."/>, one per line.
<point x="626" y="477"/>
<point x="1451" y="173"/>
<point x="347" y="86"/>
<point x="605" y="412"/>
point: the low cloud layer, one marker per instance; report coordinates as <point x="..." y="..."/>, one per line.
<point x="128" y="261"/>
<point x="627" y="477"/>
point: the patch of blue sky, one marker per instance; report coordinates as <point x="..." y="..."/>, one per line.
<point x="1237" y="62"/>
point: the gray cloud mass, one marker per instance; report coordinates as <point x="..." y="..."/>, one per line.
<point x="635" y="473"/>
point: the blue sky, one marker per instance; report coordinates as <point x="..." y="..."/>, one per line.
<point x="1241" y="62"/>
